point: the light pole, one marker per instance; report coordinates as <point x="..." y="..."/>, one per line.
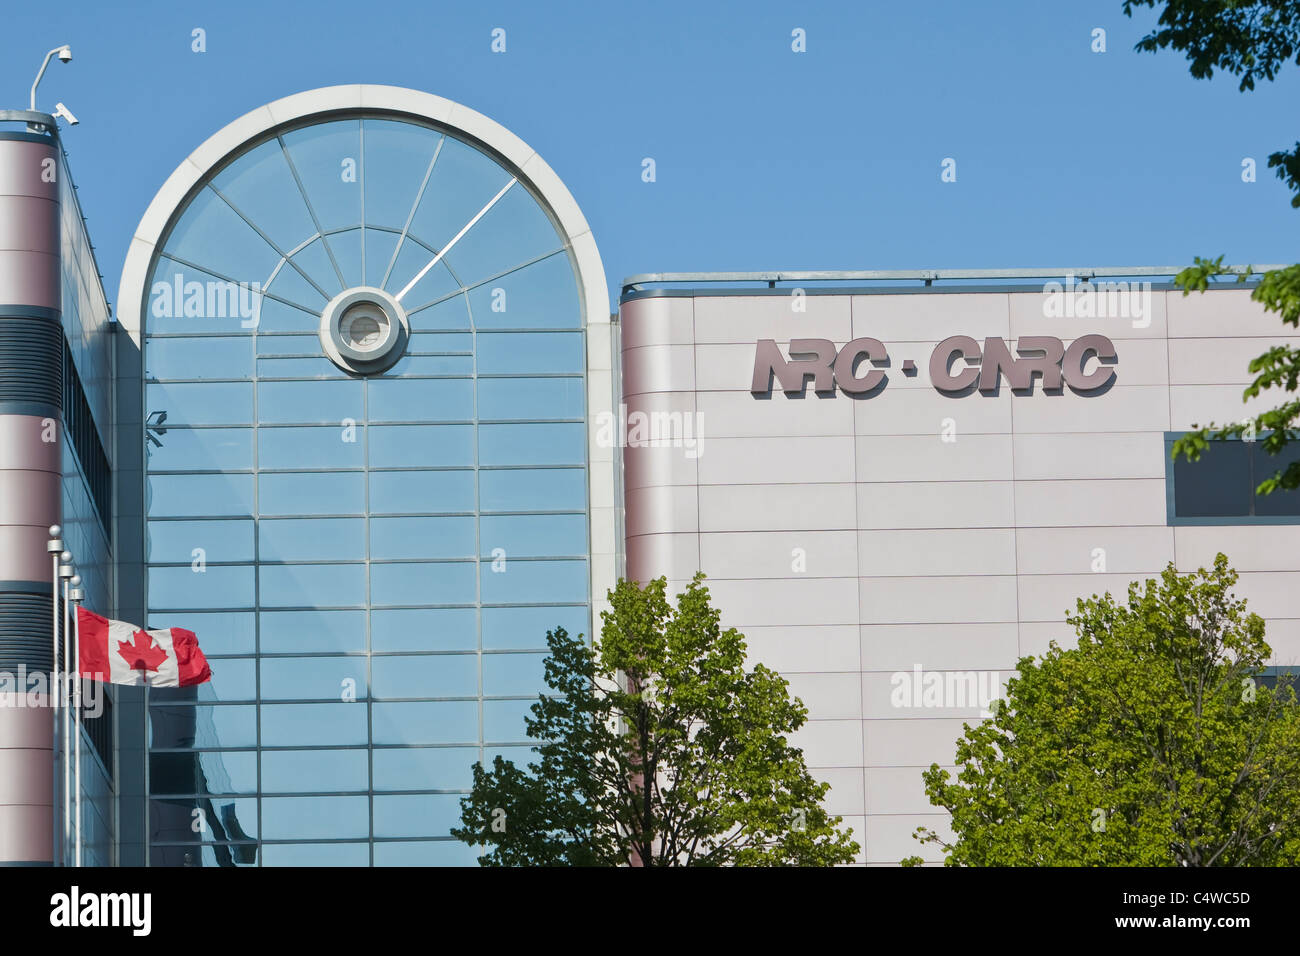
<point x="64" y="54"/>
<point x="55" y="547"/>
<point x="75" y="595"/>
<point x="66" y="571"/>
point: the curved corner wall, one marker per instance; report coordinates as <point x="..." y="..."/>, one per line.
<point x="31" y="388"/>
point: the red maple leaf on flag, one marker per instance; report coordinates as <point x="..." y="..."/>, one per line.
<point x="142" y="655"/>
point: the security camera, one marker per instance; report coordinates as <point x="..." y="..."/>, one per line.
<point x="61" y="110"/>
<point x="65" y="54"/>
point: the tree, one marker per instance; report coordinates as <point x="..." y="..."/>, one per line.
<point x="657" y="747"/>
<point x="1250" y="39"/>
<point x="1153" y="743"/>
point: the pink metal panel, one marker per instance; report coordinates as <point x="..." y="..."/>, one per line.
<point x="25" y="727"/>
<point x="29" y="223"/>
<point x="30" y="498"/>
<point x="26" y="777"/>
<point x="25" y="834"/>
<point x="29" y="278"/>
<point x="28" y="169"/>
<point x="23" y="445"/>
<point x="22" y="551"/>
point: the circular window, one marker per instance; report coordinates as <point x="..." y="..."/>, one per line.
<point x="364" y="330"/>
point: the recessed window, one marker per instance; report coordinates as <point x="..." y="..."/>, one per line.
<point x="1219" y="487"/>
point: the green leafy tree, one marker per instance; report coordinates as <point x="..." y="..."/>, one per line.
<point x="1252" y="40"/>
<point x="656" y="747"/>
<point x="1153" y="743"/>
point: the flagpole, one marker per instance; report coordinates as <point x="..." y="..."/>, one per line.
<point x="54" y="546"/>
<point x="76" y="594"/>
<point x="65" y="572"/>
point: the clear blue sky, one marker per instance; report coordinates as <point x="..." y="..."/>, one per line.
<point x="766" y="159"/>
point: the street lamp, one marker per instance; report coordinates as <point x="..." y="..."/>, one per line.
<point x="64" y="53"/>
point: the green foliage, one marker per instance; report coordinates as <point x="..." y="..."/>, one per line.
<point x="1246" y="38"/>
<point x="657" y="746"/>
<point x="1150" y="744"/>
<point x="1250" y="39"/>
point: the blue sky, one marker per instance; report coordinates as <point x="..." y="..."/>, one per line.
<point x="765" y="159"/>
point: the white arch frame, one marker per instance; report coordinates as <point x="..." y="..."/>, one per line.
<point x="532" y="171"/>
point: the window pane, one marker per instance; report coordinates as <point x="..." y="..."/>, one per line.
<point x="419" y="722"/>
<point x="314" y="678"/>
<point x="285" y="632"/>
<point x="203" y="495"/>
<point x="514" y="675"/>
<point x="312" y="585"/>
<point x="1217" y="484"/>
<point x="421" y="446"/>
<point x="529" y="398"/>
<point x="202" y="725"/>
<point x="433" y="675"/>
<point x="316" y="854"/>
<point x="1280" y="502"/>
<point x="205" y="357"/>
<point x="425" y="768"/>
<point x="312" y="494"/>
<point x="526" y="627"/>
<point x="426" y="853"/>
<point x="449" y="582"/>
<point x="421" y="538"/>
<point x="297" y="818"/>
<point x="307" y="539"/>
<point x="533" y="582"/>
<point x="203" y="773"/>
<point x="214" y="588"/>
<point x="421" y="399"/>
<point x="411" y="492"/>
<point x="542" y="295"/>
<point x="176" y="541"/>
<point x="414" y="815"/>
<point x="534" y="535"/>
<point x="544" y="444"/>
<point x="503" y="720"/>
<point x="304" y="368"/>
<point x="202" y="403"/>
<point x="529" y="352"/>
<point x="200" y="449"/>
<point x="323" y="401"/>
<point x="533" y="489"/>
<point x="299" y="725"/>
<point x="292" y="771"/>
<point x="233" y="679"/>
<point x="328" y="446"/>
<point x="424" y="629"/>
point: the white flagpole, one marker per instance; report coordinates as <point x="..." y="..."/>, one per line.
<point x="54" y="546"/>
<point x="66" y="572"/>
<point x="76" y="594"/>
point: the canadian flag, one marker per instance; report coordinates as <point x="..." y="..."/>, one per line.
<point x="122" y="653"/>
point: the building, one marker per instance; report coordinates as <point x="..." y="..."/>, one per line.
<point x="56" y="384"/>
<point x="896" y="509"/>
<point x="372" y="430"/>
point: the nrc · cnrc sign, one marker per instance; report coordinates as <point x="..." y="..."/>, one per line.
<point x="958" y="364"/>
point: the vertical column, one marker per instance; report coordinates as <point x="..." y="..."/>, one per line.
<point x="31" y="399"/>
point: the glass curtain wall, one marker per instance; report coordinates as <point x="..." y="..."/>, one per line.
<point x="371" y="563"/>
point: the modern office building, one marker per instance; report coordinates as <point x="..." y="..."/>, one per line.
<point x="893" y="522"/>
<point x="56" y="382"/>
<point x="372" y="430"/>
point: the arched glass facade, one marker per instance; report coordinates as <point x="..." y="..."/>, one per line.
<point x="370" y="561"/>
